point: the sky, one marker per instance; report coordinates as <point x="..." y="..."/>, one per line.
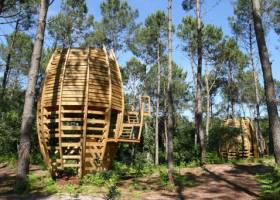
<point x="213" y="11"/>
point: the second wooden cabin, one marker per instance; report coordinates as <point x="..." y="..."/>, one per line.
<point x="238" y="139"/>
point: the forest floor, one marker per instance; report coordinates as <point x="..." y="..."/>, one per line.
<point x="213" y="181"/>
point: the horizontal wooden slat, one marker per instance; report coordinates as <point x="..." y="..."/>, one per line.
<point x="71" y="157"/>
<point x="76" y="128"/>
<point x="71" y="144"/>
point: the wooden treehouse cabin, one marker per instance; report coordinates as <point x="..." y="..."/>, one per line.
<point x="81" y="116"/>
<point x="240" y="143"/>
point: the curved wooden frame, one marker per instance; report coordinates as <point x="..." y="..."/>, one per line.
<point x="80" y="115"/>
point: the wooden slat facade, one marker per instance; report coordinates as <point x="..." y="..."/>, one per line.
<point x="80" y="114"/>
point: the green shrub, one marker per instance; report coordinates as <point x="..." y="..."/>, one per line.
<point x="270" y="184"/>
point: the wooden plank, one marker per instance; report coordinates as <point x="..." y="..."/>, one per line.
<point x="71" y="157"/>
<point x="72" y="99"/>
<point x="71" y="165"/>
<point x="93" y="95"/>
<point x="96" y="121"/>
<point x="72" y="111"/>
<point x="70" y="144"/>
<point x="69" y="135"/>
<point x="60" y="125"/>
<point x="75" y="128"/>
<point x="70" y="119"/>
<point x="98" y="87"/>
<point x="93" y="136"/>
<point x="75" y="88"/>
<point x="99" y="100"/>
<point x="72" y="103"/>
<point x="96" y="112"/>
<point x="95" y="129"/>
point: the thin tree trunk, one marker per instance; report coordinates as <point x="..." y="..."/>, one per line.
<point x="27" y="116"/>
<point x="230" y="90"/>
<point x="165" y="121"/>
<point x="274" y="125"/>
<point x="198" y="110"/>
<point x="207" y="99"/>
<point x="194" y="92"/>
<point x="171" y="110"/>
<point x="8" y="59"/>
<point x="157" y="107"/>
<point x="259" y="136"/>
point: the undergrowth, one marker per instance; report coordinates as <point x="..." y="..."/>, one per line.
<point x="270" y="183"/>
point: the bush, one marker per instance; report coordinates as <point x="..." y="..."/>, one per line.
<point x="270" y="184"/>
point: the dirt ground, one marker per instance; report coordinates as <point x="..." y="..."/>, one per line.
<point x="221" y="182"/>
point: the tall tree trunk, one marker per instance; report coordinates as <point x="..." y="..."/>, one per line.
<point x="165" y="121"/>
<point x="259" y="136"/>
<point x="198" y="110"/>
<point x="274" y="125"/>
<point x="191" y="56"/>
<point x="207" y="100"/>
<point x="8" y="60"/>
<point x="27" y="116"/>
<point x="171" y="110"/>
<point x="157" y="107"/>
<point x="230" y="90"/>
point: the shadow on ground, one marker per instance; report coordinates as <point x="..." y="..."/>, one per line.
<point x="7" y="182"/>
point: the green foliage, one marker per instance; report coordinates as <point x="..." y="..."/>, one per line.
<point x="116" y="26"/>
<point x="149" y="40"/>
<point x="185" y="180"/>
<point x="275" y="16"/>
<point x="113" y="192"/>
<point x="70" y="26"/>
<point x="184" y="150"/>
<point x="8" y="159"/>
<point x="270" y="184"/>
<point x="20" y="55"/>
<point x="101" y="178"/>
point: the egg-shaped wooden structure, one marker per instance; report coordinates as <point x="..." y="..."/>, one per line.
<point x="81" y="115"/>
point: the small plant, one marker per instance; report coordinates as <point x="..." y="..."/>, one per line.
<point x="113" y="193"/>
<point x="93" y="179"/>
<point x="193" y="163"/>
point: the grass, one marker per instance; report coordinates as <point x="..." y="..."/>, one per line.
<point x="9" y="159"/>
<point x="135" y="181"/>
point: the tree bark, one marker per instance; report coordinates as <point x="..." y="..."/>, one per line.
<point x="259" y="136"/>
<point x="198" y="110"/>
<point x="274" y="125"/>
<point x="207" y="100"/>
<point x="171" y="110"/>
<point x="157" y="107"/>
<point x="190" y="54"/>
<point x="27" y="116"/>
<point x="8" y="60"/>
<point x="165" y="121"/>
<point x="230" y="90"/>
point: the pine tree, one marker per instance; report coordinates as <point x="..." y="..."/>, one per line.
<point x="27" y="116"/>
<point x="274" y="124"/>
